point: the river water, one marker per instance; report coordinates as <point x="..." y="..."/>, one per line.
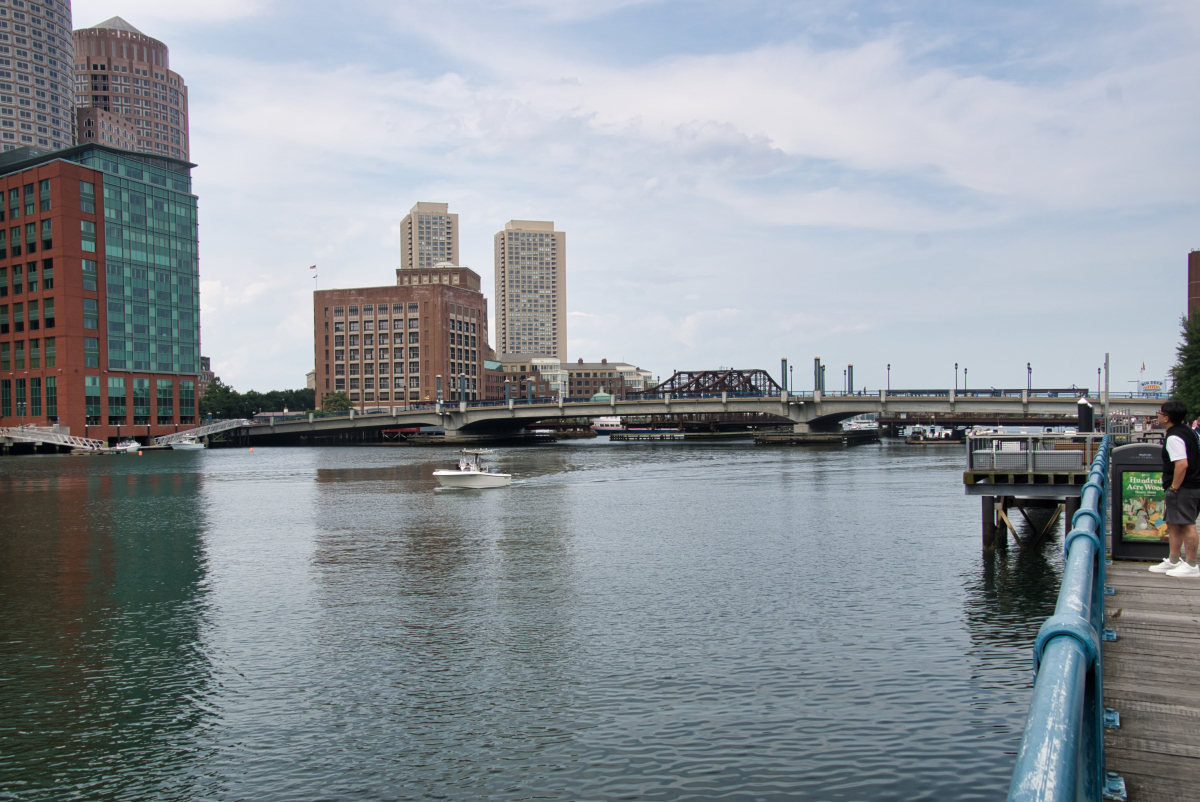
<point x="643" y="621"/>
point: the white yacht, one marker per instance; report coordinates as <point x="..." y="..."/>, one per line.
<point x="473" y="471"/>
<point x="187" y="444"/>
<point x="607" y="423"/>
<point x="126" y="447"/>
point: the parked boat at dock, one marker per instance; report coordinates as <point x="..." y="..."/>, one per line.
<point x="188" y="444"/>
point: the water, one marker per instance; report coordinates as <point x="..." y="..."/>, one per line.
<point x="626" y="621"/>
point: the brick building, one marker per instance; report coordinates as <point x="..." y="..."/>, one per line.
<point x="99" y="304"/>
<point x="617" y="378"/>
<point x="386" y="346"/>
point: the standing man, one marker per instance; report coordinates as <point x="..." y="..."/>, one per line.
<point x="1181" y="479"/>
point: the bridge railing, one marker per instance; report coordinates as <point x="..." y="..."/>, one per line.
<point x="1061" y="758"/>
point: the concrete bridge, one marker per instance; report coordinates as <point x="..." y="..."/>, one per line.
<point x="810" y="412"/>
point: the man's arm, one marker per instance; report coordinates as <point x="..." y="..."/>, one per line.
<point x="1181" y="466"/>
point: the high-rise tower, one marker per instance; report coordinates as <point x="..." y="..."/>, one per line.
<point x="36" y="108"/>
<point x="126" y="94"/>
<point x="531" y="289"/>
<point x="429" y="236"/>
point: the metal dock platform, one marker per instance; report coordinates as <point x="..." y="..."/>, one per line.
<point x="1152" y="679"/>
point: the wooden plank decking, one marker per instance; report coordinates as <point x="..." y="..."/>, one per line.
<point x="1152" y="678"/>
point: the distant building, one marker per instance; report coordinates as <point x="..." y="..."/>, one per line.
<point x="310" y="380"/>
<point x="428" y="237"/>
<point x="387" y="346"/>
<point x="493" y="380"/>
<point x="126" y="94"/>
<point x="1193" y="282"/>
<point x="616" y="378"/>
<point x="99" y="293"/>
<point x="531" y="289"/>
<point x="544" y="373"/>
<point x="37" y="99"/>
<point x="205" y="378"/>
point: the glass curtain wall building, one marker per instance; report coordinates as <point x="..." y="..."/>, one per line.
<point x="99" y="292"/>
<point x="151" y="261"/>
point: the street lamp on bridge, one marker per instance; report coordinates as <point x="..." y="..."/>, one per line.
<point x="889" y="376"/>
<point x="1029" y="376"/>
<point x="956" y="377"/>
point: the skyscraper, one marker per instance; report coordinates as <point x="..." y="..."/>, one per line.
<point x="429" y="236"/>
<point x="126" y="94"/>
<point x="36" y="108"/>
<point x="531" y="289"/>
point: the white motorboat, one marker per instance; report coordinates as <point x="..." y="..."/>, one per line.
<point x="473" y="471"/>
<point x="126" y="447"/>
<point x="187" y="444"/>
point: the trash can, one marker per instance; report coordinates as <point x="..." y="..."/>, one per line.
<point x="1138" y="503"/>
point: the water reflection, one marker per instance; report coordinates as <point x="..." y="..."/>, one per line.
<point x="103" y="602"/>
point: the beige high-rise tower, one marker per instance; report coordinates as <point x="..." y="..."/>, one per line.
<point x="126" y="94"/>
<point x="429" y="235"/>
<point x="531" y="289"/>
<point x="37" y="103"/>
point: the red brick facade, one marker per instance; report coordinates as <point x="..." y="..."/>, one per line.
<point x="435" y="325"/>
<point x="54" y="318"/>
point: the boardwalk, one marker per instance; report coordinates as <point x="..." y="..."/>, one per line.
<point x="1152" y="678"/>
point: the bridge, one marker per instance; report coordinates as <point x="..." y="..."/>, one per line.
<point x="808" y="412"/>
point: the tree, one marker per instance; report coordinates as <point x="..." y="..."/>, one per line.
<point x="1186" y="372"/>
<point x="336" y="402"/>
<point x="222" y="401"/>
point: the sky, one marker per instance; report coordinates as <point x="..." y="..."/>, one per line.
<point x="913" y="184"/>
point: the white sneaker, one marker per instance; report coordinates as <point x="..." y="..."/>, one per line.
<point x="1164" y="566"/>
<point x="1183" y="569"/>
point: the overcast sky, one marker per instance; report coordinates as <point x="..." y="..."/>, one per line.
<point x="912" y="183"/>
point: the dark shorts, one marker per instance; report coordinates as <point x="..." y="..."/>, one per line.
<point x="1183" y="506"/>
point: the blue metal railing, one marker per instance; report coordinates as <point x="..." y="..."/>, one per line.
<point x="1062" y="751"/>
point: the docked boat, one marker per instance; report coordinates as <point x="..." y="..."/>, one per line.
<point x="187" y="444"/>
<point x="920" y="436"/>
<point x="126" y="447"/>
<point x="608" y="423"/>
<point x="473" y="471"/>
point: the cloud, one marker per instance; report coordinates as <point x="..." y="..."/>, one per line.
<point x="780" y="171"/>
<point x="148" y="13"/>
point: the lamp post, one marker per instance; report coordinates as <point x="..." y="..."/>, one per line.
<point x="964" y="380"/>
<point x="21" y="412"/>
<point x="1029" y="376"/>
<point x="843" y="381"/>
<point x="1099" y="386"/>
<point x="956" y="377"/>
<point x="889" y="377"/>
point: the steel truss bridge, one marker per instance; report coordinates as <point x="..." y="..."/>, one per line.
<point x="808" y="412"/>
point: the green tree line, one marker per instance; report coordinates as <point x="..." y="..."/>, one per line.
<point x="222" y="401"/>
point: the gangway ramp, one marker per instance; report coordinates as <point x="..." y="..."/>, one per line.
<point x="203" y="431"/>
<point x="35" y="435"/>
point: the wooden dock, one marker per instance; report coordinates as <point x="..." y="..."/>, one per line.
<point x="1152" y="679"/>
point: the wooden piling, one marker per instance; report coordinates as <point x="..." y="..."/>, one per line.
<point x="989" y="522"/>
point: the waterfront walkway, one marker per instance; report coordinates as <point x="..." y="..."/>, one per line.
<point x="1152" y="678"/>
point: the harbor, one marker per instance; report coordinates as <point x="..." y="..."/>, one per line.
<point x="295" y="596"/>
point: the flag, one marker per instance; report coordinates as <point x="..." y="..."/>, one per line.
<point x="314" y="267"/>
<point x="1143" y="367"/>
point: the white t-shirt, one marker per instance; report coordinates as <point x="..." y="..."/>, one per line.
<point x="1176" y="450"/>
